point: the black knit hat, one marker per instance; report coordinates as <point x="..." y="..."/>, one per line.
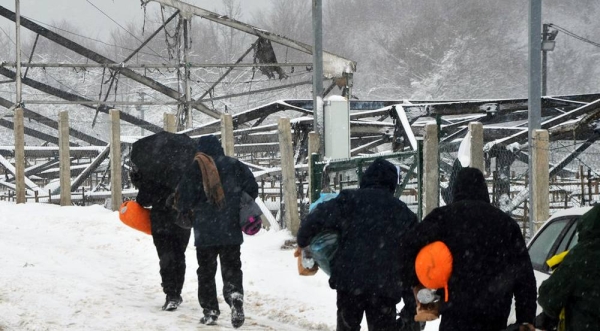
<point x="380" y="174"/>
<point x="210" y="145"/>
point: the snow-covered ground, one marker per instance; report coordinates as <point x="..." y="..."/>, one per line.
<point x="80" y="268"/>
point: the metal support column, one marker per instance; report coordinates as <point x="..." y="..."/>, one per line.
<point x="535" y="97"/>
<point x="544" y="59"/>
<point x="18" y="50"/>
<point x="317" y="13"/>
<point x="186" y="81"/>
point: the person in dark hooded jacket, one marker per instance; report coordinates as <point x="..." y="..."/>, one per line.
<point x="365" y="270"/>
<point x="169" y="239"/>
<point x="490" y="259"/>
<point x="209" y="194"/>
<point x="574" y="285"/>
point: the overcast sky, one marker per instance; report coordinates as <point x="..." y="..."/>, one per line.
<point x="94" y="23"/>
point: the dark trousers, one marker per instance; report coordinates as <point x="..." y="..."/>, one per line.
<point x="380" y="311"/>
<point x="231" y="272"/>
<point x="171" y="242"/>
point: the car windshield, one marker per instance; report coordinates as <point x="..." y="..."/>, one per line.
<point x="569" y="240"/>
<point x="540" y="248"/>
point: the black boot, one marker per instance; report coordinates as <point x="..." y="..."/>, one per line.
<point x="172" y="302"/>
<point x="237" y="310"/>
<point x="210" y="318"/>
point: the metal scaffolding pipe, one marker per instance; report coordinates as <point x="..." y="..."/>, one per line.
<point x="154" y="65"/>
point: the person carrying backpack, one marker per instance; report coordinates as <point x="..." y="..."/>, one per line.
<point x="208" y="198"/>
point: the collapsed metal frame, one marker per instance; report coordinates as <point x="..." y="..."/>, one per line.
<point x="373" y="123"/>
<point x="185" y="12"/>
<point x="184" y="100"/>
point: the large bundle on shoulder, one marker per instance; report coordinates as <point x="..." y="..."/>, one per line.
<point x="322" y="248"/>
<point x="157" y="162"/>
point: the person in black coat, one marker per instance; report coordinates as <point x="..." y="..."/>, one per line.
<point x="169" y="239"/>
<point x="490" y="259"/>
<point x="217" y="230"/>
<point x="366" y="269"/>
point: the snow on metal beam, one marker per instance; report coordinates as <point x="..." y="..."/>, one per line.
<point x="333" y="65"/>
<point x="401" y="115"/>
<point x="54" y="124"/>
<point x="85" y="173"/>
<point x="557" y="120"/>
<point x="51" y="151"/>
<point x="11" y="169"/>
<point x="81" y="50"/>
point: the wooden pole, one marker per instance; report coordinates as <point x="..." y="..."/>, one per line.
<point x="476" y="151"/>
<point x="540" y="204"/>
<point x="19" y="155"/>
<point x="431" y="174"/>
<point x="64" y="158"/>
<point x="227" y="134"/>
<point x="288" y="174"/>
<point x="169" y="122"/>
<point x="115" y="160"/>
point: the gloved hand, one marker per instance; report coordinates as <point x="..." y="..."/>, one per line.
<point x="546" y="322"/>
<point x="185" y="219"/>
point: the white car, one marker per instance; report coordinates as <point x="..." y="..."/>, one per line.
<point x="558" y="234"/>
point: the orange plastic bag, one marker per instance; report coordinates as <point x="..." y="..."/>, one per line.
<point x="434" y="266"/>
<point x="134" y="215"/>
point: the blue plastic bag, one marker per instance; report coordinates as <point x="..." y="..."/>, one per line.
<point x="322" y="198"/>
<point x="324" y="245"/>
<point x="323" y="248"/>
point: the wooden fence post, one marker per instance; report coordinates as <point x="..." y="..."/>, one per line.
<point x="541" y="181"/>
<point x="288" y="175"/>
<point x="64" y="158"/>
<point x="227" y="134"/>
<point x="115" y="159"/>
<point x="169" y="122"/>
<point x="476" y="152"/>
<point x="19" y="130"/>
<point x="431" y="174"/>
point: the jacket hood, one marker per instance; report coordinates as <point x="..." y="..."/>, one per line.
<point x="589" y="225"/>
<point x="470" y="185"/>
<point x="380" y="174"/>
<point x="210" y="145"/>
